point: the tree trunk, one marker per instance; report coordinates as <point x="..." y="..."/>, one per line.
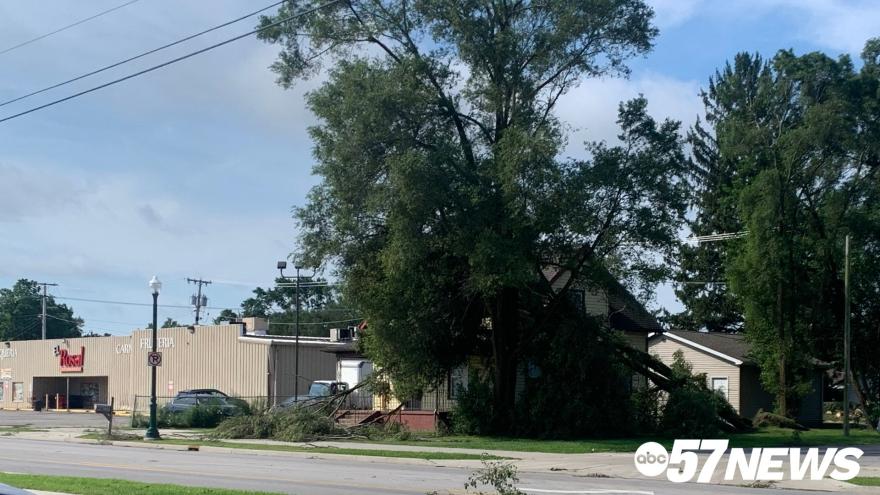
<point x="505" y="343"/>
<point x="782" y="392"/>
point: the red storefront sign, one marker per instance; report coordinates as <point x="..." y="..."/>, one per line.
<point x="72" y="363"/>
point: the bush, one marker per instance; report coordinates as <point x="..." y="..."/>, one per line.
<point x="647" y="410"/>
<point x="473" y="411"/>
<point x="763" y="419"/>
<point x="194" y="417"/>
<point x="690" y="412"/>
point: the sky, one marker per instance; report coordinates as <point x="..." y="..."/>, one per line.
<point x="192" y="170"/>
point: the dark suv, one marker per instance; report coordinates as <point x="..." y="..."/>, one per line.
<point x="228" y="406"/>
<point x="202" y="391"/>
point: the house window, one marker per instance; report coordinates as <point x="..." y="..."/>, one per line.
<point x="458" y="381"/>
<point x="18" y="392"/>
<point x="578" y="299"/>
<point x="3" y="386"/>
<point x="720" y="384"/>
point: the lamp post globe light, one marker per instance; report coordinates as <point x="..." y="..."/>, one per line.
<point x="153" y="430"/>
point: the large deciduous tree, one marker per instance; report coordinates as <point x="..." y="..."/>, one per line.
<point x="21" y="309"/>
<point x="791" y="157"/>
<point x="443" y="195"/>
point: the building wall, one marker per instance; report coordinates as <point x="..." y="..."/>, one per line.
<point x="752" y="395"/>
<point x="210" y="357"/>
<point x="664" y="348"/>
<point x="314" y="364"/>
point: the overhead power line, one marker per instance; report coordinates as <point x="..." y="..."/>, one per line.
<point x="172" y="61"/>
<point x="77" y="23"/>
<point x="140" y="55"/>
<point x="128" y="303"/>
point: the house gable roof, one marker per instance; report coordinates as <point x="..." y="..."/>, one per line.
<point x="732" y="348"/>
<point x="624" y="311"/>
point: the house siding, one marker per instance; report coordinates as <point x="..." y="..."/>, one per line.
<point x="753" y="396"/>
<point x="663" y="347"/>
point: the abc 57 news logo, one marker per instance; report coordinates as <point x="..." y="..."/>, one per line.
<point x="759" y="464"/>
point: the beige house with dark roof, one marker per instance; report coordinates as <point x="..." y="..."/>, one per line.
<point x="724" y="359"/>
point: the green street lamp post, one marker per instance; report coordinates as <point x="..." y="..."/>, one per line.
<point x="153" y="430"/>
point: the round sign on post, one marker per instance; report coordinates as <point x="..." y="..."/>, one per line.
<point x="154" y="359"/>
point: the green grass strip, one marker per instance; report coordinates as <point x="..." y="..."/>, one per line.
<point x="866" y="481"/>
<point x="764" y="437"/>
<point x="403" y="454"/>
<point x="103" y="486"/>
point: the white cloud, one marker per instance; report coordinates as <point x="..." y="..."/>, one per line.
<point x="841" y="25"/>
<point x="591" y="109"/>
<point x="116" y="227"/>
<point x="670" y="13"/>
<point x="24" y="194"/>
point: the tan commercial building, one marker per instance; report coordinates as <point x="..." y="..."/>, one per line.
<point x="238" y="359"/>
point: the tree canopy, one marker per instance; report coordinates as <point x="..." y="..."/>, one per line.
<point x="790" y="156"/>
<point x="443" y="195"/>
<point x="21" y="309"/>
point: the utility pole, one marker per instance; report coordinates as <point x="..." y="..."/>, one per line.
<point x="198" y="300"/>
<point x="282" y="265"/>
<point x="847" y="338"/>
<point x="45" y="296"/>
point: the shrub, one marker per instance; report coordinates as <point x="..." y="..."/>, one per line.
<point x="473" y="411"/>
<point x="690" y="412"/>
<point x="194" y="417"/>
<point x="202" y="417"/>
<point x="647" y="410"/>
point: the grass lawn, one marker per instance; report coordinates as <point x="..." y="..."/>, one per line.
<point x="312" y="450"/>
<point x="101" y="486"/>
<point x="866" y="481"/>
<point x="19" y="429"/>
<point x="765" y="437"/>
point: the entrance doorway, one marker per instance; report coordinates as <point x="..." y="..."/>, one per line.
<point x="75" y="392"/>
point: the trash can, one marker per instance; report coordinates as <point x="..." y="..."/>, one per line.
<point x="38" y="404"/>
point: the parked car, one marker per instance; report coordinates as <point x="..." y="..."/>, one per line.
<point x="202" y="391"/>
<point x="318" y="390"/>
<point x="228" y="406"/>
<point x="213" y="392"/>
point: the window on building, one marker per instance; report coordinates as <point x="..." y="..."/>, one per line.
<point x="578" y="299"/>
<point x="720" y="384"/>
<point x="3" y="386"/>
<point x="18" y="392"/>
<point x="458" y="381"/>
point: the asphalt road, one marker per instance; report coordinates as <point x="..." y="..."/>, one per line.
<point x="301" y="474"/>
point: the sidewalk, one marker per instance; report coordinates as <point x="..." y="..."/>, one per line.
<point x="616" y="465"/>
